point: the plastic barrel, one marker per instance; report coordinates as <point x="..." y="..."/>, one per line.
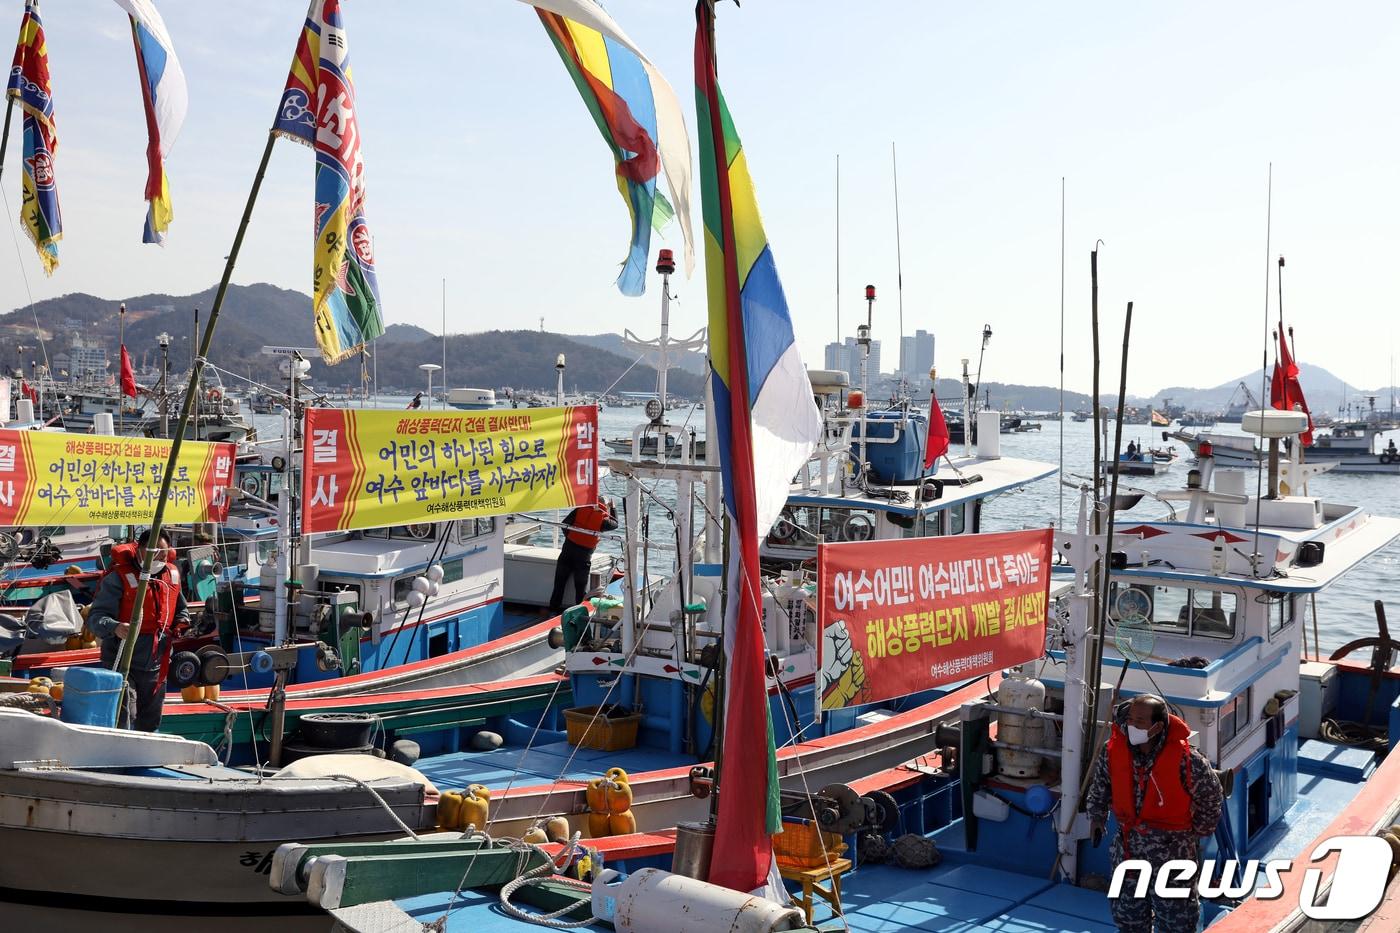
<point x="90" y="696"/>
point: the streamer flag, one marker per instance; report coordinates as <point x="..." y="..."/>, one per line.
<point x="166" y="99"/>
<point x="640" y="119"/>
<point x="767" y="426"/>
<point x="318" y="109"/>
<point x="29" y="84"/>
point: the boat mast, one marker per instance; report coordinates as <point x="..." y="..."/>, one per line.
<point x="899" y="269"/>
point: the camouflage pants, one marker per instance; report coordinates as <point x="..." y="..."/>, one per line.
<point x="1172" y="915"/>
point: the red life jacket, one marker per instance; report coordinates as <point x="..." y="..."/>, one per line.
<point x="1166" y="802"/>
<point x="590" y="518"/>
<point x="162" y="590"/>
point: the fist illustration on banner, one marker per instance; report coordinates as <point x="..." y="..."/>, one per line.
<point x="843" y="668"/>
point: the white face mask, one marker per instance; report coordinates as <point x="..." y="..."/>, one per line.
<point x="1138" y="736"/>
<point x="157" y="566"/>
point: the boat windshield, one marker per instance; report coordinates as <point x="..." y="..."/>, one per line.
<point x="1175" y="610"/>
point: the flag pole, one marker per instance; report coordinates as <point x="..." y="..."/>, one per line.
<point x="5" y="135"/>
<point x="123" y="664"/>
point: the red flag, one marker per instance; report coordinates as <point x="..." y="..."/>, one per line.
<point x="128" y="374"/>
<point x="937" y="444"/>
<point x="29" y="392"/>
<point x="1290" y="396"/>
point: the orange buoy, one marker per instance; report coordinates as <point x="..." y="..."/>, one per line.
<point x="620" y="824"/>
<point x="598" y="825"/>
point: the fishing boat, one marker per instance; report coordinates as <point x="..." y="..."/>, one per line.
<point x="1348" y="447"/>
<point x="1136" y="462"/>
<point x="1300" y="742"/>
<point x="471" y="399"/>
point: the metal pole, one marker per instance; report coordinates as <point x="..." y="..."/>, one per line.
<point x="1061" y="523"/>
<point x="123" y="664"/>
<point x="444" y="335"/>
<point x="5" y="134"/>
<point x="899" y="263"/>
<point x="665" y="361"/>
<point x="121" y="348"/>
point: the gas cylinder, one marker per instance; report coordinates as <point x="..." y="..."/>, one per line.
<point x="651" y="899"/>
<point x="1018" y="692"/>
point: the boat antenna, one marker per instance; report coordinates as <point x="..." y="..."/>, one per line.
<point x="1103" y="581"/>
<point x="1264" y="368"/>
<point x="899" y="264"/>
<point x="838" y="247"/>
<point x="1061" y="524"/>
<point x="1098" y="414"/>
<point x="445" y="387"/>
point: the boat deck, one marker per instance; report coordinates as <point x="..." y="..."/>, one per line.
<point x="555" y="761"/>
<point x="954" y="898"/>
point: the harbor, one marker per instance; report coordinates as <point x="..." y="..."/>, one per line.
<point x="459" y="589"/>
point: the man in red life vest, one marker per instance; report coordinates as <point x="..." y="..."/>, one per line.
<point x="164" y="610"/>
<point x="1165" y="797"/>
<point x="576" y="556"/>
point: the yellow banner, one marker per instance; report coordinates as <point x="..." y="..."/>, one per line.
<point x="51" y="479"/>
<point x="370" y="469"/>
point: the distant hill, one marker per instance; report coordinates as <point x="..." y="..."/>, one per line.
<point x="256" y="315"/>
<point x="404" y="333"/>
<point x="260" y="314"/>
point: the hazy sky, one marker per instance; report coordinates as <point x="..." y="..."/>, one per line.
<point x="484" y="167"/>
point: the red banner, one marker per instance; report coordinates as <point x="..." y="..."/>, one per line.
<point x="902" y="616"/>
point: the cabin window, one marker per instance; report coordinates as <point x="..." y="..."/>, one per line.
<point x="486" y="526"/>
<point x="422" y="531"/>
<point x="977" y="516"/>
<point x="1174" y="610"/>
<point x="1234" y="717"/>
<point x="925" y="525"/>
<point x="1281" y="614"/>
<point x="957" y="518"/>
<point x="452" y="570"/>
<point x="402" y="587"/>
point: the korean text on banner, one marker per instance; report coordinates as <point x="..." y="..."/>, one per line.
<point x="902" y="616"/>
<point x="370" y="469"/>
<point x="50" y="479"/>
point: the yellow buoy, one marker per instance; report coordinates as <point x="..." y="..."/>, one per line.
<point x="449" y="812"/>
<point x="535" y="835"/>
<point x="211" y="692"/>
<point x="598" y="825"/>
<point x="595" y="796"/>
<point x="475" y="808"/>
<point x="557" y="829"/>
<point x="619" y="796"/>
<point x="192" y="694"/>
<point x="620" y="824"/>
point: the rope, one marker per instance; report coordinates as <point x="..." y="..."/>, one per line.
<point x="550" y="866"/>
<point x="30" y="702"/>
<point x="1358" y="734"/>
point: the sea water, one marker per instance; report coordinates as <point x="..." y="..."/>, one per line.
<point x="1345" y="610"/>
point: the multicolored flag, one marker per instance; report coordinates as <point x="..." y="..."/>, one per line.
<point x="767" y="426"/>
<point x="318" y="109"/>
<point x="29" y="84"/>
<point x="166" y="100"/>
<point x="640" y="119"/>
